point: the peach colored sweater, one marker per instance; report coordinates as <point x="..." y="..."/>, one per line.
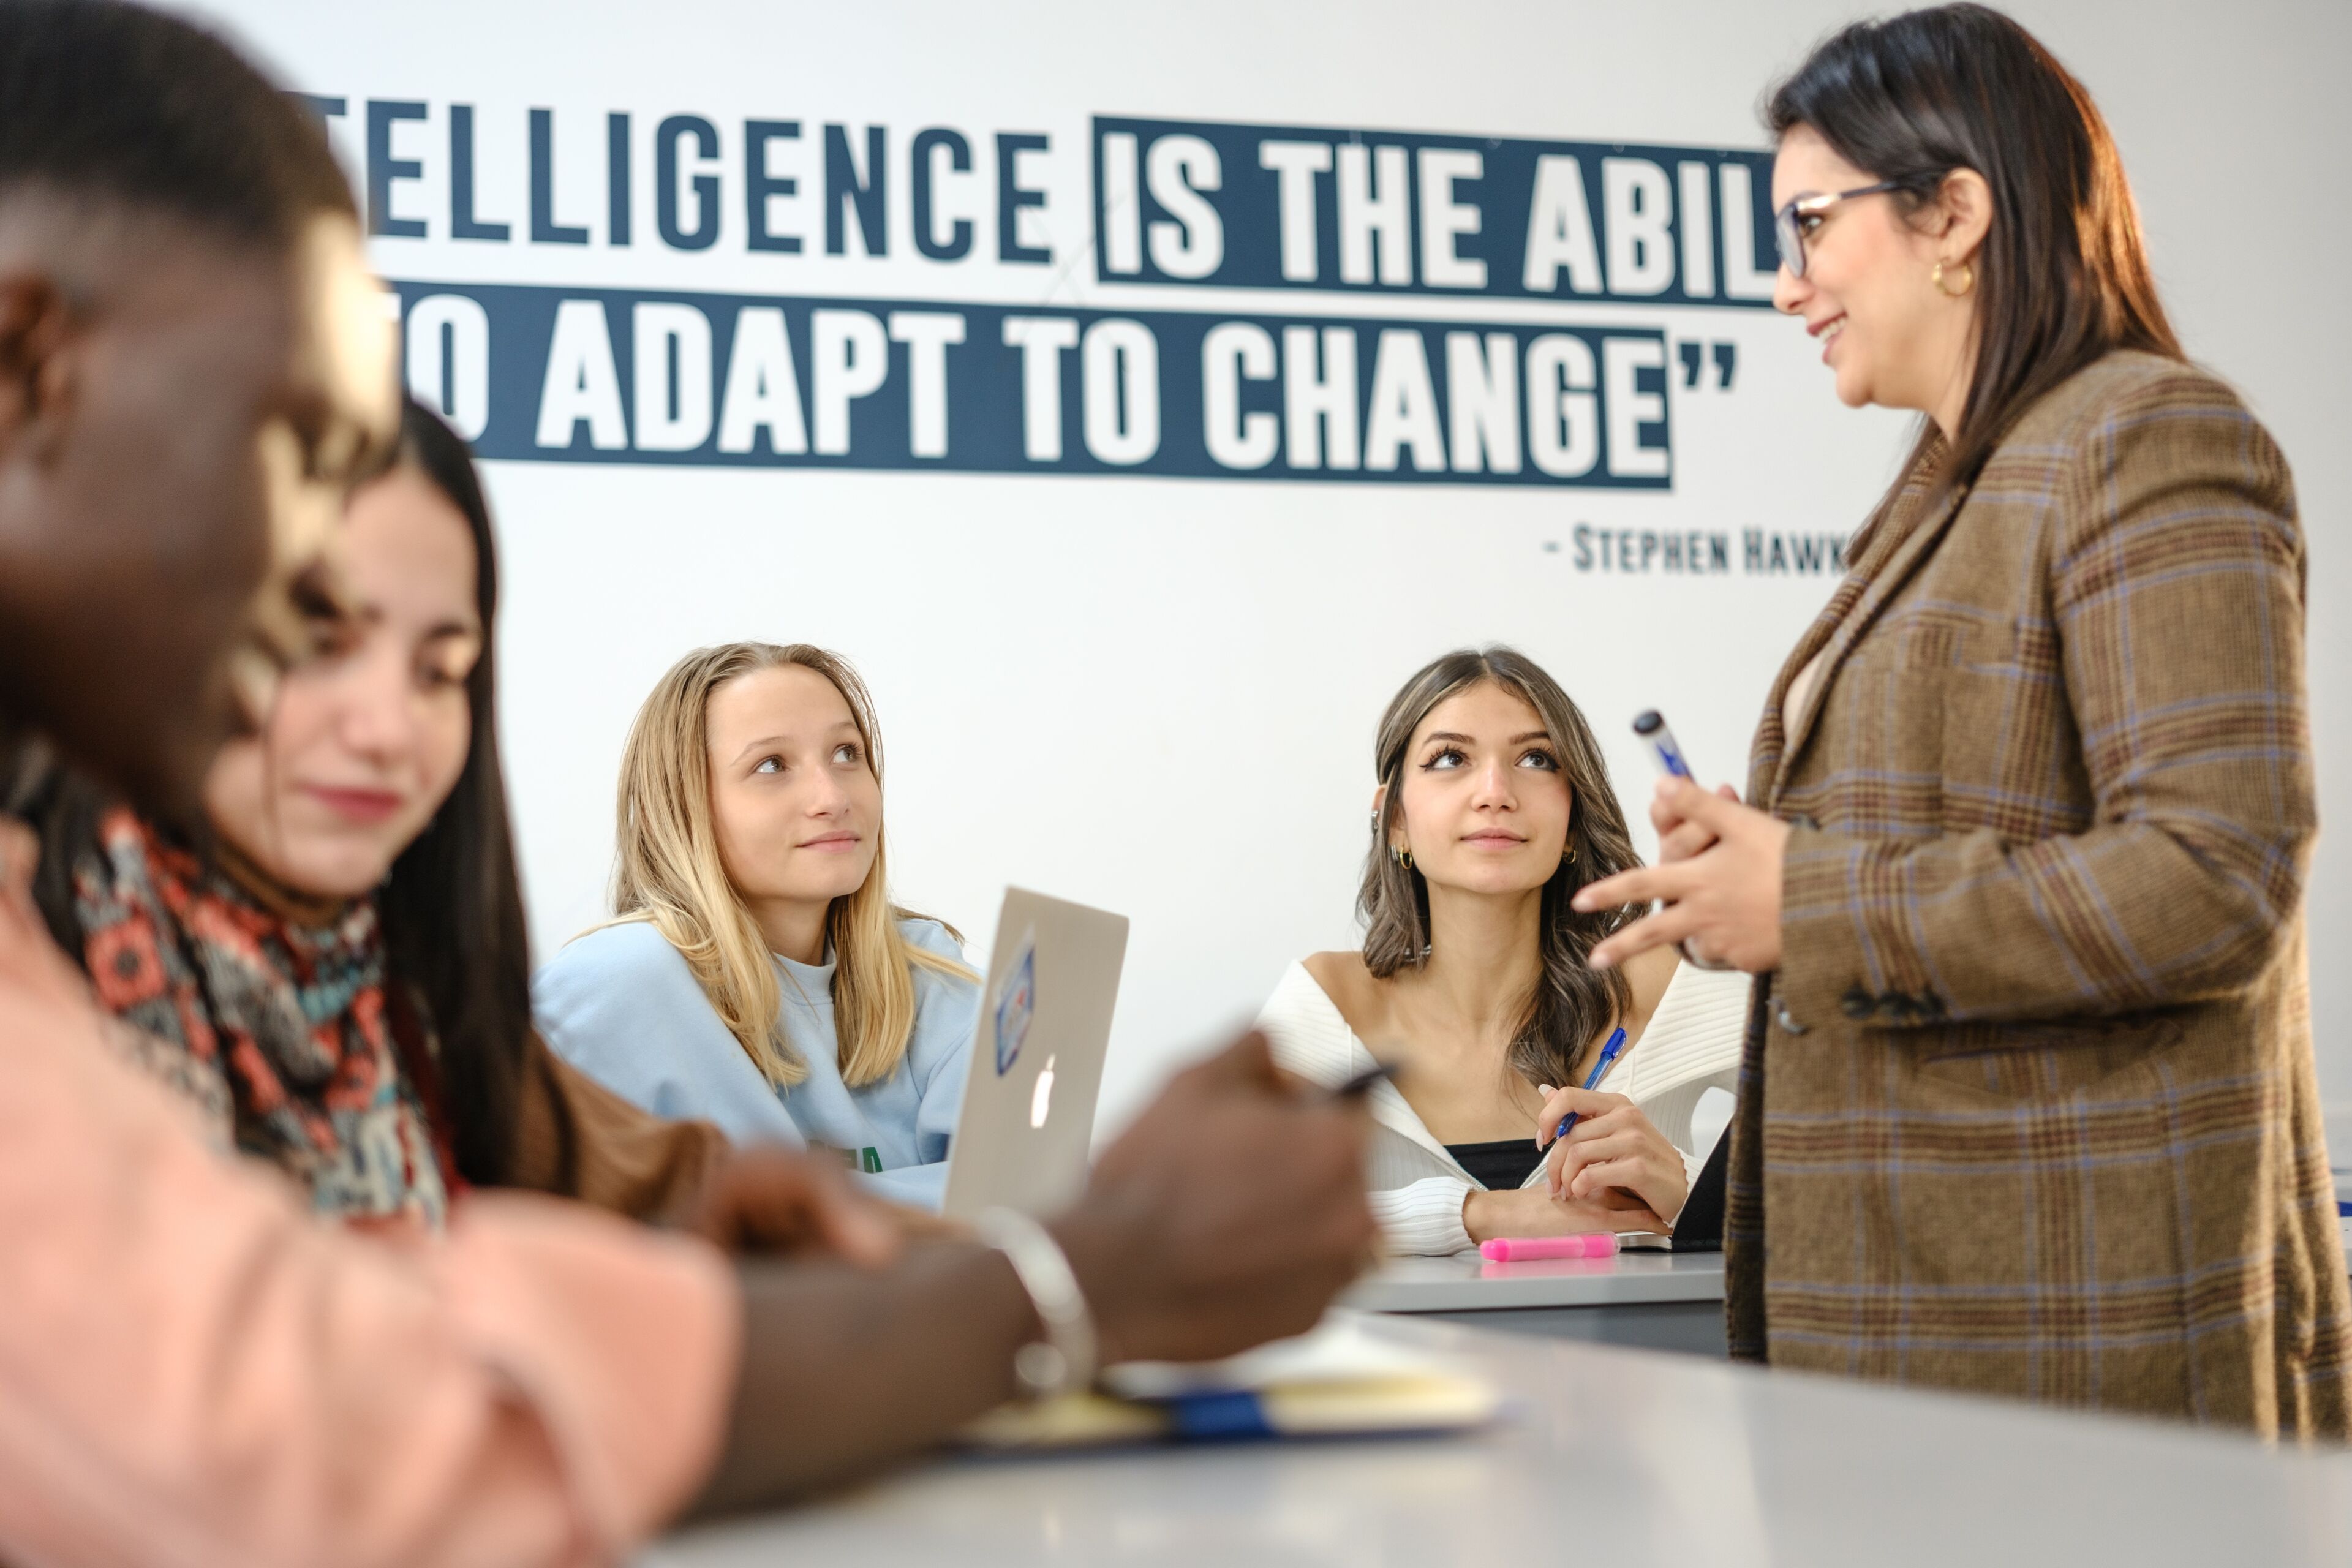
<point x="195" y="1372"/>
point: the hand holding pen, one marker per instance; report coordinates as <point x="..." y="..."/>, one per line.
<point x="1714" y="893"/>
<point x="1604" y="1151"/>
<point x="1679" y="837"/>
<point x="1592" y="1080"/>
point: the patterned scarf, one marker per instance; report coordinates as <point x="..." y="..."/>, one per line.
<point x="275" y="1027"/>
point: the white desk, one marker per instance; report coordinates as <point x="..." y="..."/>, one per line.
<point x="1655" y="1300"/>
<point x="1616" y="1456"/>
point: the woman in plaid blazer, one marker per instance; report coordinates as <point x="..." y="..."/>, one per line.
<point x="2027" y="1103"/>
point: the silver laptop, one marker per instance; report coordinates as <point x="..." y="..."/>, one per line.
<point x="1036" y="1058"/>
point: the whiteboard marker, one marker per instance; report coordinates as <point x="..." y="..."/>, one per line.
<point x="1651" y="727"/>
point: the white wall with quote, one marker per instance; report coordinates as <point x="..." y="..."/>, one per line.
<point x="1138" y="395"/>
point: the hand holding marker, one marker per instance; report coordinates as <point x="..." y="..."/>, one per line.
<point x="1667" y="753"/>
<point x="1651" y="727"/>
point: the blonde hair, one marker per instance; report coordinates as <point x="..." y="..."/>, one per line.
<point x="669" y="874"/>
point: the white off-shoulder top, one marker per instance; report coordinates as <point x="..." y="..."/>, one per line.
<point x="1692" y="1044"/>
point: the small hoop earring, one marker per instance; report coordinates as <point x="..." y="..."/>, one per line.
<point x="1968" y="281"/>
<point x="1568" y="856"/>
<point x="1403" y="857"/>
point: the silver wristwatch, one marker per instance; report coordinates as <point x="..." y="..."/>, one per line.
<point x="1064" y="1361"/>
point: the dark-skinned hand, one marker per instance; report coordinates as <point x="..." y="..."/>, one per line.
<point x="787" y="1202"/>
<point x="1231" y="1213"/>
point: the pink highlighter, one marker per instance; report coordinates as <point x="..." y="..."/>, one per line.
<point x="1528" y="1248"/>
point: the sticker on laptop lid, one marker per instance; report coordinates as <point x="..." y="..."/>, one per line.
<point x="1016" y="1003"/>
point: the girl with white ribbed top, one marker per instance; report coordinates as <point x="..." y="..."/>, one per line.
<point x="1493" y="807"/>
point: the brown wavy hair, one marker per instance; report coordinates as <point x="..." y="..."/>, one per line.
<point x="2063" y="276"/>
<point x="1572" y="1002"/>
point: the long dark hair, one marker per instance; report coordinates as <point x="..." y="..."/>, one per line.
<point x="453" y="915"/>
<point x="2063" y="276"/>
<point x="452" y="907"/>
<point x="1572" y="1000"/>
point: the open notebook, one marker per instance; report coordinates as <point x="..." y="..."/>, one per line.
<point x="1337" y="1380"/>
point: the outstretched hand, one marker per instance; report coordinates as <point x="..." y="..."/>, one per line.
<point x="1229" y="1214"/>
<point x="1723" y="901"/>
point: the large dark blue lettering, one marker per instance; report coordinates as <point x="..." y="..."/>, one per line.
<point x="463" y="223"/>
<point x="958" y="244"/>
<point x="705" y="232"/>
<point x="616" y="175"/>
<point x="843" y="188"/>
<point x="382" y="168"/>
<point x="759" y="184"/>
<point x="544" y="229"/>
<point x="1210" y="387"/>
<point x="1012" y="197"/>
<point x="1499" y="216"/>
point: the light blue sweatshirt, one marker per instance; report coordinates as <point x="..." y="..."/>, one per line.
<point x="621" y="1004"/>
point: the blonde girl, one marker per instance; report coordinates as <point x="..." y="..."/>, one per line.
<point x="755" y="972"/>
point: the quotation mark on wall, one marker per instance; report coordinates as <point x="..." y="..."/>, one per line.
<point x="1694" y="357"/>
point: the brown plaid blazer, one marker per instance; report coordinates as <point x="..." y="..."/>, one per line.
<point x="2029" y="1106"/>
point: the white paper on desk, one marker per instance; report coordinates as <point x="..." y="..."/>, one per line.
<point x="1337" y="1350"/>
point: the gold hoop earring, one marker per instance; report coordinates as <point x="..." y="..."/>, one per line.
<point x="1568" y="856"/>
<point x="1968" y="281"/>
<point x="1403" y="857"/>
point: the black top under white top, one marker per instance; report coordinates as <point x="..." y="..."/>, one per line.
<point x="1503" y="1165"/>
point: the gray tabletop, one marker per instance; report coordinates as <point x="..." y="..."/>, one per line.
<point x="1468" y="1283"/>
<point x="1614" y="1456"/>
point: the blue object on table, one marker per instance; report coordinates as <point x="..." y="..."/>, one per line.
<point x="1219" y="1417"/>
<point x="1607" y="1057"/>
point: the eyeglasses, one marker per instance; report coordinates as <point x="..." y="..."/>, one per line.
<point x="1787" y="224"/>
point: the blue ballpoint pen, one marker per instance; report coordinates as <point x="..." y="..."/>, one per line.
<point x="1607" y="1055"/>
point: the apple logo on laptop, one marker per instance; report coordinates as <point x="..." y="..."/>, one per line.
<point x="1041" y="1103"/>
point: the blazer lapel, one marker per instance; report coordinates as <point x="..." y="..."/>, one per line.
<point x="1771" y="734"/>
<point x="1855" y="606"/>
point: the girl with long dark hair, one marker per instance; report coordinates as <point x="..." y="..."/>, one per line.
<point x="1493" y="806"/>
<point x="338" y="975"/>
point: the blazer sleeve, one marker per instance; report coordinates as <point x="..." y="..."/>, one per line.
<point x="2176" y="593"/>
